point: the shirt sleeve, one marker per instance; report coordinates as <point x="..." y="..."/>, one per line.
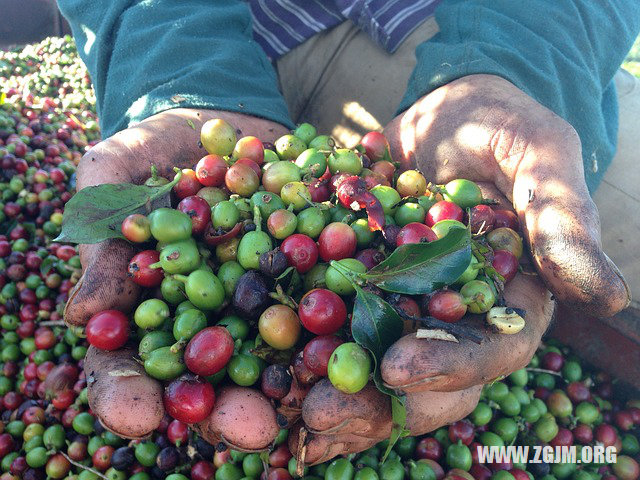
<point x="562" y="53"/>
<point x="147" y="56"/>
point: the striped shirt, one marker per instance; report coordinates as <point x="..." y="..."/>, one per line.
<point x="281" y="25"/>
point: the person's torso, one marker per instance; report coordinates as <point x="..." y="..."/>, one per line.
<point x="281" y="25"/>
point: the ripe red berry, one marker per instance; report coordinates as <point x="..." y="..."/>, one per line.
<point x="102" y="457"/>
<point x="505" y="263"/>
<point x="189" y="399"/>
<point x="279" y="458"/>
<point x="202" y="471"/>
<point x="209" y="351"/>
<point x="301" y="252"/>
<point x="141" y="272"/>
<point x="319" y="191"/>
<point x="322" y="311"/>
<point x="583" y="434"/>
<point x="443" y="210"/>
<point x="552" y="361"/>
<point x="605" y="434"/>
<point x="108" y="330"/>
<point x="44" y="338"/>
<point x="578" y="392"/>
<point x="251" y="164"/>
<point x="337" y="241"/>
<point x="564" y="437"/>
<point x="623" y="420"/>
<point x="187" y="185"/>
<point x="251" y="148"/>
<point x="65" y="252"/>
<point x="210" y="170"/>
<point x="429" y="448"/>
<point x="198" y="210"/>
<point x="447" y="305"/>
<point x="415" y="233"/>
<point x="505" y="218"/>
<point x="376" y="146"/>
<point x="461" y="430"/>
<point x="177" y="432"/>
<point x="317" y="352"/>
<point x="63" y="400"/>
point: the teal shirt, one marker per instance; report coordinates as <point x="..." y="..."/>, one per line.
<point x="148" y="56"/>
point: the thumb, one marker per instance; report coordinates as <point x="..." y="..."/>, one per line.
<point x="563" y="228"/>
<point x="104" y="284"/>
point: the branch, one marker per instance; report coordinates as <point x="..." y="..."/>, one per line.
<point x="84" y="467"/>
<point x="452" y="328"/>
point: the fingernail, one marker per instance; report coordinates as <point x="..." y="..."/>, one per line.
<point x="329" y="431"/>
<point x="617" y="271"/>
<point x="72" y="294"/>
<point x="417" y="383"/>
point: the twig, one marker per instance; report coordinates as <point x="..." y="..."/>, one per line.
<point x="542" y="370"/>
<point x="52" y="323"/>
<point x="452" y="328"/>
<point x="84" y="467"/>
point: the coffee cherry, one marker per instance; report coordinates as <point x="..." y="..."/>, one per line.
<point x="108" y="330"/>
<point x="189" y="399"/>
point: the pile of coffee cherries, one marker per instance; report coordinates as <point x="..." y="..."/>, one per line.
<point x="241" y="276"/>
<point x="50" y="69"/>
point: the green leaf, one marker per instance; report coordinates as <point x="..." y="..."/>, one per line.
<point x="420" y="268"/>
<point x="399" y="419"/>
<point x="375" y="325"/>
<point x="3" y="97"/>
<point x="94" y="214"/>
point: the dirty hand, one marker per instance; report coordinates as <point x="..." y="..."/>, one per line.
<point x="483" y="128"/>
<point x="131" y="406"/>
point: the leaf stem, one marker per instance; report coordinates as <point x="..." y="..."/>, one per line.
<point x="179" y="345"/>
<point x="283" y="298"/>
<point x="452" y="328"/>
<point x="257" y="219"/>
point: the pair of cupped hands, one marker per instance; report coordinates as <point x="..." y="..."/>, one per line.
<point x="479" y="127"/>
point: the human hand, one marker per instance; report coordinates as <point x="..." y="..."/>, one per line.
<point x="482" y="128"/>
<point x="131" y="405"/>
<point x="442" y="380"/>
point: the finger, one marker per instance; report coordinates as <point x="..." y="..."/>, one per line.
<point x="535" y="158"/>
<point x="541" y="169"/>
<point x="243" y="418"/>
<point x="562" y="227"/>
<point x="168" y="139"/>
<point x="413" y="364"/>
<point x="125" y="399"/>
<point x="366" y="413"/>
<point x="319" y="448"/>
<point x="427" y="411"/>
<point x="104" y="285"/>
